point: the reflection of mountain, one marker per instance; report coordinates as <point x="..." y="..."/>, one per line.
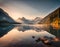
<point x="5" y="19"/>
<point x="28" y="27"/>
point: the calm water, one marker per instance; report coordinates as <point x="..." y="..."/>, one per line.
<point x="21" y="35"/>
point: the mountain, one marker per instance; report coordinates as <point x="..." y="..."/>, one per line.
<point x="27" y="21"/>
<point x="4" y="16"/>
<point x="5" y="19"/>
<point x="37" y="20"/>
<point x="23" y="20"/>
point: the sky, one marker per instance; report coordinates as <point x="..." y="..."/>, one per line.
<point x="29" y="8"/>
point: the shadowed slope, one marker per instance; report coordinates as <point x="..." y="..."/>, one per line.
<point x="5" y="21"/>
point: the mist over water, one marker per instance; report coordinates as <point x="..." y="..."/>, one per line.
<point x="22" y="35"/>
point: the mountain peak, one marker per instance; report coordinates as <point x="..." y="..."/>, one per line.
<point x="1" y="10"/>
<point x="23" y="18"/>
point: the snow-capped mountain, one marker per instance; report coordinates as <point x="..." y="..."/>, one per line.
<point x="27" y="21"/>
<point x="23" y="20"/>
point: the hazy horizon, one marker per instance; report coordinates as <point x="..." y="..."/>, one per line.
<point x="29" y="8"/>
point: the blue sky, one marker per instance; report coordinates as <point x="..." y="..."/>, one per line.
<point x="29" y="8"/>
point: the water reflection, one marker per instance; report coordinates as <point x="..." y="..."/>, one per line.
<point x="54" y="31"/>
<point x="17" y="38"/>
<point x="5" y="29"/>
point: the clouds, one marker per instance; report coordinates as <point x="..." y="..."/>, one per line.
<point x="29" y="8"/>
<point x="21" y="9"/>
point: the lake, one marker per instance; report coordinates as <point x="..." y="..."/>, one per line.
<point x="20" y="35"/>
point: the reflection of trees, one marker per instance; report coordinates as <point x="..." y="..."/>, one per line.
<point x="53" y="31"/>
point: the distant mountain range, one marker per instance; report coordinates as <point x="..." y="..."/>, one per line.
<point x="23" y="20"/>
